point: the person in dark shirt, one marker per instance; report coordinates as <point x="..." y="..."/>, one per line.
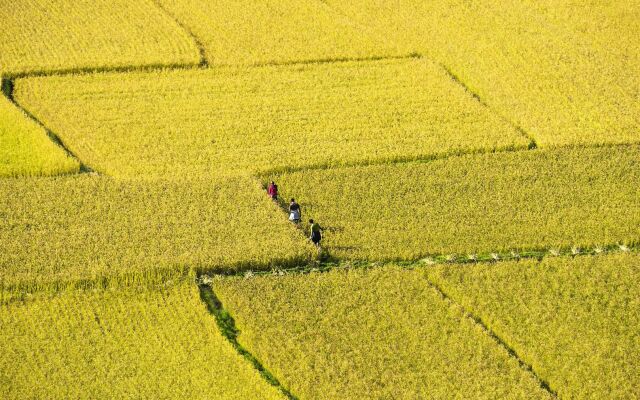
<point x="316" y="235"/>
<point x="294" y="212"/>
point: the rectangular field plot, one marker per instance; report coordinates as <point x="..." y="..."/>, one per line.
<point x="558" y="85"/>
<point x="576" y="321"/>
<point x="474" y="203"/>
<point x="369" y="334"/>
<point x="273" y="31"/>
<point x="25" y="148"/>
<point x="46" y="35"/>
<point x="84" y="227"/>
<point x="151" y="344"/>
<point x="183" y="124"/>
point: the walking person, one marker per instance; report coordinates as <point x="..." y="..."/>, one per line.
<point x="316" y="235"/>
<point x="273" y="191"/>
<point x="294" y="212"/>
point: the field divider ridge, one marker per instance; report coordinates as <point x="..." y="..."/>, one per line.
<point x="363" y="28"/>
<point x="196" y="40"/>
<point x="392" y="160"/>
<point x="495" y="337"/>
<point x="228" y="329"/>
<point x="532" y="142"/>
<point x="455" y="78"/>
<point x="329" y="264"/>
<point x="7" y="91"/>
<point x="151" y="68"/>
<point x="265" y="174"/>
<point x="335" y="60"/>
<point x="20" y="292"/>
<point x="17" y="292"/>
<point x="101" y="70"/>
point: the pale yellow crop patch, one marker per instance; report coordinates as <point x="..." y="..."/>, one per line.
<point x="25" y="148"/>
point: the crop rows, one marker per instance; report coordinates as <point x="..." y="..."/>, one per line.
<point x="531" y="200"/>
<point x="88" y="228"/>
<point x="47" y="35"/>
<point x="575" y="320"/>
<point x="556" y="84"/>
<point x="388" y="121"/>
<point x="369" y="334"/>
<point x="25" y="148"/>
<point x="610" y="27"/>
<point x="280" y="31"/>
<point x="208" y="123"/>
<point x="121" y="344"/>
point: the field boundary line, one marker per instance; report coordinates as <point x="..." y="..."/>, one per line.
<point x="455" y="78"/>
<point x="495" y="337"/>
<point x="196" y="40"/>
<point x="266" y="174"/>
<point x="150" y="68"/>
<point x="7" y="90"/>
<point x="22" y="291"/>
<point x="439" y="259"/>
<point x="333" y="60"/>
<point x="391" y="160"/>
<point x="19" y="290"/>
<point x="205" y="63"/>
<point x="365" y="29"/>
<point x="124" y="69"/>
<point x="228" y="329"/>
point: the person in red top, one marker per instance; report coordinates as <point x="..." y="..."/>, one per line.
<point x="273" y="190"/>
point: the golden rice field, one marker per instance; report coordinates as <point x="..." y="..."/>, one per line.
<point x="575" y="320"/>
<point x="543" y="199"/>
<point x="560" y="86"/>
<point x="608" y="26"/>
<point x="91" y="227"/>
<point x="49" y="35"/>
<point x="25" y="148"/>
<point x="223" y="122"/>
<point x="380" y="333"/>
<point x="158" y="343"/>
<point x="282" y="31"/>
<point x="475" y="167"/>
